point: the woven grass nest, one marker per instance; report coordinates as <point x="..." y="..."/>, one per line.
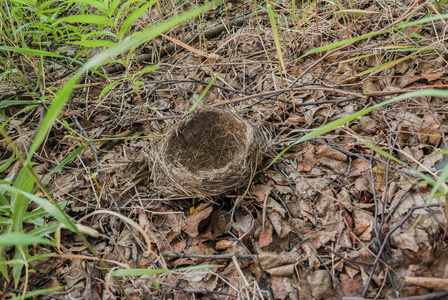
<point x="206" y="154"/>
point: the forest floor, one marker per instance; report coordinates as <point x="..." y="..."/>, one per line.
<point x="331" y="218"/>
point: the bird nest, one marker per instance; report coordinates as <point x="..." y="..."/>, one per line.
<point x="206" y="154"/>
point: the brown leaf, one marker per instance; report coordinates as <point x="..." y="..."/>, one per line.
<point x="321" y="284"/>
<point x="349" y="287"/>
<point x="313" y="261"/>
<point x="220" y="224"/>
<point x="350" y="271"/>
<point x="286" y="270"/>
<point x="262" y="191"/>
<point x="327" y="151"/>
<point x="430" y="135"/>
<point x="404" y="239"/>
<point x="193" y="222"/>
<point x="303" y="166"/>
<point x="281" y="227"/>
<point x="360" y="166"/>
<point x="224" y="244"/>
<point x="282" y="287"/>
<point x="269" y="260"/>
<point x="362" y="255"/>
<point x="294" y="120"/>
<point x="363" y="184"/>
<point x="363" y="225"/>
<point x="266" y="236"/>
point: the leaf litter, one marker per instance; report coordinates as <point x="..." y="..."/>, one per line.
<point x="308" y="227"/>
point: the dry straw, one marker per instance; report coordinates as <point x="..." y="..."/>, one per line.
<point x="206" y="154"/>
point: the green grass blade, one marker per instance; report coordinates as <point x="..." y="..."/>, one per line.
<point x="87" y="19"/>
<point x="438" y="185"/>
<point x="51" y="115"/>
<point x="38" y="292"/>
<point x="384" y="153"/>
<point x="202" y="95"/>
<point x="369" y="35"/>
<point x="93" y="43"/>
<point x="7" y="163"/>
<point x="64" y="94"/>
<point x="19" y="202"/>
<point x="146" y="35"/>
<point x="66" y="160"/>
<point x="134" y="16"/>
<point x="335" y="124"/>
<point x="140" y="272"/>
<point x="22" y="239"/>
<point x="30" y="51"/>
<point x="44" y="230"/>
<point x="45" y="204"/>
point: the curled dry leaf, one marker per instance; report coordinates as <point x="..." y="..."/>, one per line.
<point x="224" y="244"/>
<point x="262" y="191"/>
<point x="313" y="261"/>
<point x="327" y="151"/>
<point x="363" y="225"/>
<point x="362" y="255"/>
<point x="294" y="120"/>
<point x="303" y="166"/>
<point x="286" y="270"/>
<point x="193" y="222"/>
<point x="350" y="271"/>
<point x="349" y="287"/>
<point x="281" y="227"/>
<point x="430" y="135"/>
<point x="428" y="282"/>
<point x="269" y="260"/>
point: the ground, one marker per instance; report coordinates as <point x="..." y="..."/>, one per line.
<point x="342" y="214"/>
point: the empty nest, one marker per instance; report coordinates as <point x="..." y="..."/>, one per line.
<point x="206" y="154"/>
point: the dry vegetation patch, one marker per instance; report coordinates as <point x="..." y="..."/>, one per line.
<point x="331" y="218"/>
<point x="209" y="153"/>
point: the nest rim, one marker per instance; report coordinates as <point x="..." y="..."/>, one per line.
<point x="238" y="171"/>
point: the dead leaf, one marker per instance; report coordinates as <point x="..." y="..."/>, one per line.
<point x="362" y="255"/>
<point x="294" y="120"/>
<point x="430" y="135"/>
<point x="404" y="239"/>
<point x="360" y="167"/>
<point x="224" y="244"/>
<point x="303" y="166"/>
<point x="285" y="270"/>
<point x="262" y="191"/>
<point x="281" y="228"/>
<point x="321" y="284"/>
<point x="350" y="271"/>
<point x="313" y="261"/>
<point x="363" y="225"/>
<point x="193" y="222"/>
<point x="283" y="287"/>
<point x="269" y="260"/>
<point x="349" y="287"/>
<point x="327" y="151"/>
<point x="266" y="236"/>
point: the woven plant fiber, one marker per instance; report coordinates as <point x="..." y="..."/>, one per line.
<point x="208" y="153"/>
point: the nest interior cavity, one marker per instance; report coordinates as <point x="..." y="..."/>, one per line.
<point x="208" y="153"/>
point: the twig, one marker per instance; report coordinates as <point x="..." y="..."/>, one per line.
<point x="205" y="256"/>
<point x="292" y="89"/>
<point x="386" y="238"/>
<point x="432" y="296"/>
